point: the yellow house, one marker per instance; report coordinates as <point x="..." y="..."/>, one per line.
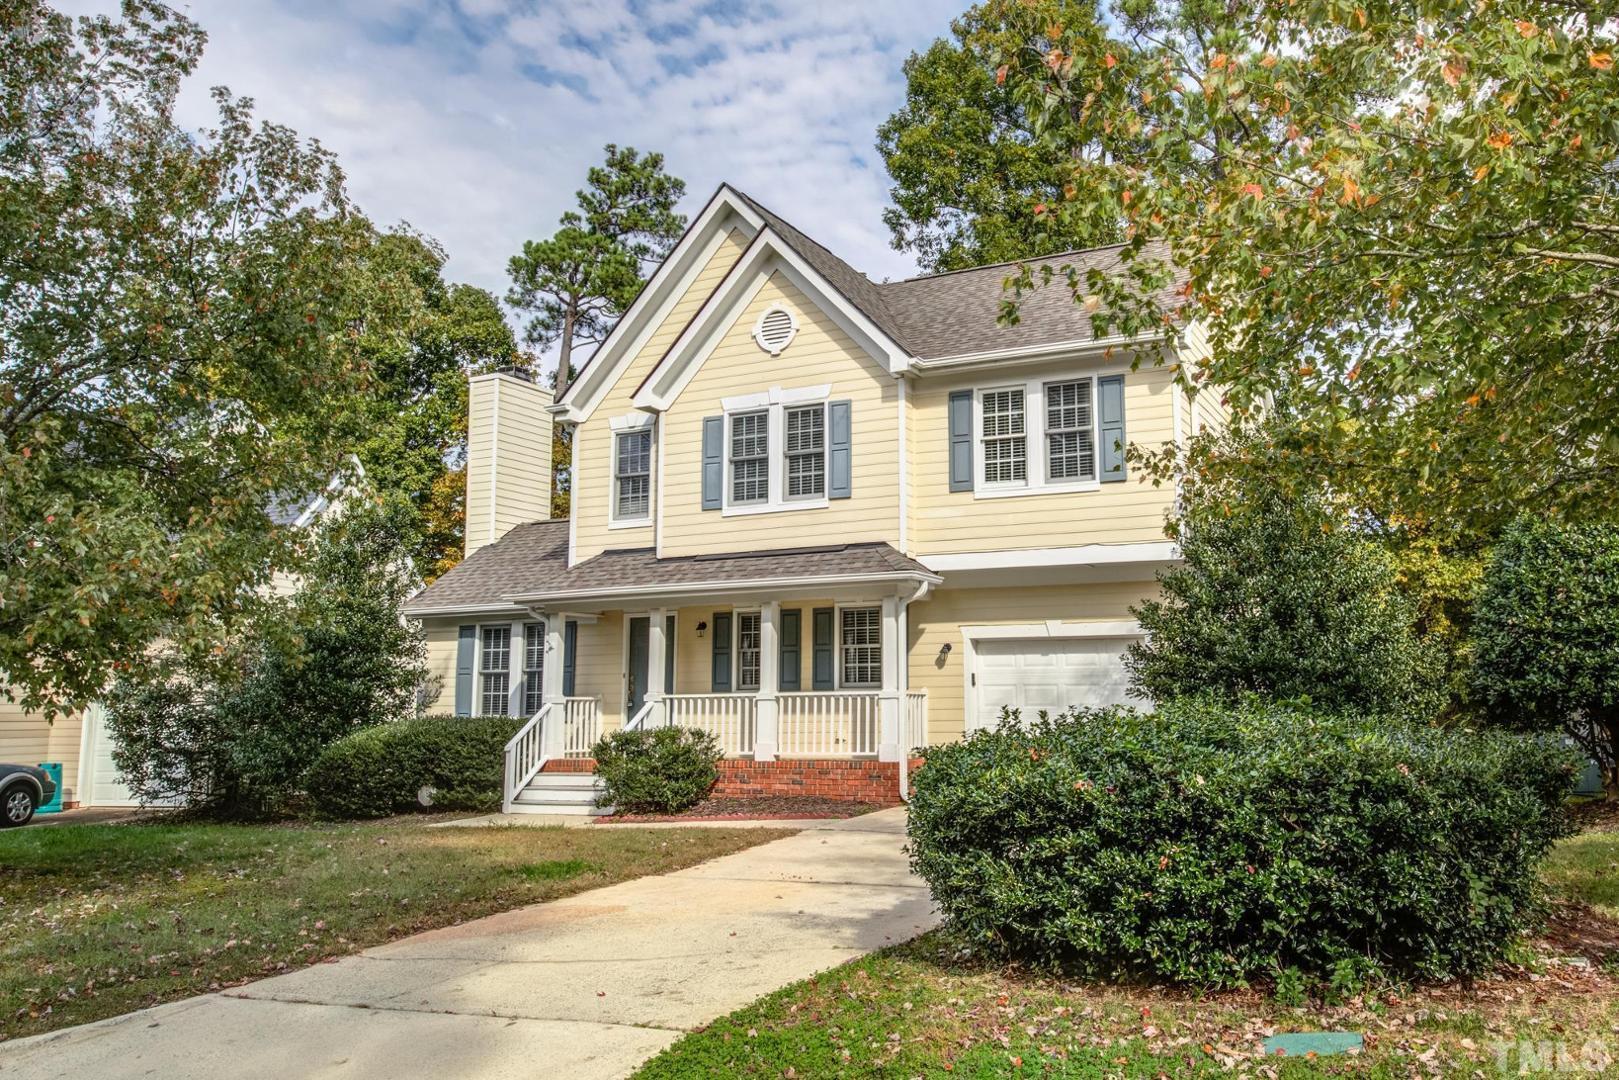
<point x="827" y="519"/>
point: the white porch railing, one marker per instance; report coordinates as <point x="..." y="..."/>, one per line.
<point x="581" y="725"/>
<point x="914" y="721"/>
<point x="843" y="723"/>
<point x="525" y="757"/>
<point x="730" y="718"/>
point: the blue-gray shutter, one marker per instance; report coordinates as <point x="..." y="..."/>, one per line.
<point x="466" y="645"/>
<point x="821" y="670"/>
<point x="669" y="655"/>
<point x="837" y="447"/>
<point x="792" y="650"/>
<point x="1110" y="409"/>
<point x="570" y="654"/>
<point x="713" y="461"/>
<point x="722" y="652"/>
<point x="961" y="440"/>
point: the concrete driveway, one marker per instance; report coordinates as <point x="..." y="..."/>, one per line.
<point x="589" y="986"/>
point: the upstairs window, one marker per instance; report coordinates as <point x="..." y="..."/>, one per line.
<point x="632" y="470"/>
<point x="750" y="457"/>
<point x="1004" y="436"/>
<point x="495" y="670"/>
<point x="1070" y="431"/>
<point x="806" y="452"/>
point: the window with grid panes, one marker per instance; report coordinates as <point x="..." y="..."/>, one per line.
<point x="533" y="667"/>
<point x="747" y="650"/>
<point x="633" y="473"/>
<point x="1006" y="450"/>
<point x="750" y="457"/>
<point x="806" y="452"/>
<point x="495" y="669"/>
<point x="1070" y="431"/>
<point x="862" y="642"/>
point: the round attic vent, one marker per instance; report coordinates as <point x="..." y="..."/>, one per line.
<point x="775" y="330"/>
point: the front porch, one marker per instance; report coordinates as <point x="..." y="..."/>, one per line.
<point x="736" y="672"/>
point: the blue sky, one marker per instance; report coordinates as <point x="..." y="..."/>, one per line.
<point x="474" y="120"/>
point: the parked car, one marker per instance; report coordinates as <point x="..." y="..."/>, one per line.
<point x="23" y="789"/>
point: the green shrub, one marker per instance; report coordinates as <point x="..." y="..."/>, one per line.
<point x="1215" y="844"/>
<point x="661" y="771"/>
<point x="382" y="770"/>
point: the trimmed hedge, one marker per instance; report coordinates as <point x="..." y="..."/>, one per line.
<point x="661" y="771"/>
<point x="1215" y="844"/>
<point x="381" y="770"/>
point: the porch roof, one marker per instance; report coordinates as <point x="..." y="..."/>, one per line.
<point x="528" y="567"/>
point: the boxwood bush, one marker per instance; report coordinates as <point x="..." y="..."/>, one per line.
<point x="1216" y="844"/>
<point x="382" y="770"/>
<point x="660" y="771"/>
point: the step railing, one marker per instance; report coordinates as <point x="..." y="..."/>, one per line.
<point x="839" y="723"/>
<point x="525" y="757"/>
<point x="643" y="717"/>
<point x="581" y="725"/>
<point x="730" y="718"/>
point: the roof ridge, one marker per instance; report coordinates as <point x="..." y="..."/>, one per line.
<point x="1006" y="262"/>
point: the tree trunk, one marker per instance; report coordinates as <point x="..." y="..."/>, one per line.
<point x="569" y="317"/>
<point x="1606" y="723"/>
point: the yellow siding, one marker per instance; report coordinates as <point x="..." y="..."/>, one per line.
<point x="944" y="522"/>
<point x="821" y="354"/>
<point x="593" y="443"/>
<point x="442" y="642"/>
<point x="938" y="620"/>
<point x="508" y="457"/>
<point x="29" y="739"/>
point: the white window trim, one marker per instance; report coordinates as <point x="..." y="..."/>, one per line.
<point x="514" y="662"/>
<point x="1037" y="481"/>
<point x="774" y="403"/>
<point x="736" y="650"/>
<point x="837" y="646"/>
<point x="520" y="691"/>
<point x="622" y="425"/>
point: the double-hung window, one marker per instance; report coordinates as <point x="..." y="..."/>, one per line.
<point x="632" y="475"/>
<point x="533" y="667"/>
<point x="748" y="637"/>
<point x="495" y="670"/>
<point x="861" y="640"/>
<point x="750" y="458"/>
<point x="1004" y="433"/>
<point x="806" y="452"/>
<point x="1070" y="431"/>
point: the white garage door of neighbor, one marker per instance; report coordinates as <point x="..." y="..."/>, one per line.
<point x="103" y="784"/>
<point x="1030" y="674"/>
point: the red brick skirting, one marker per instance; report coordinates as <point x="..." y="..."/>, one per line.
<point x="740" y="778"/>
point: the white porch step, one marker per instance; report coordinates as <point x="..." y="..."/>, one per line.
<point x="560" y="793"/>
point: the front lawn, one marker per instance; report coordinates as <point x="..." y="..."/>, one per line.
<point x="96" y="920"/>
<point x="929" y="1007"/>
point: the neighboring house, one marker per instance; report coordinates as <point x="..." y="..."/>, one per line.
<point x="80" y="741"/>
<point x="827" y="519"/>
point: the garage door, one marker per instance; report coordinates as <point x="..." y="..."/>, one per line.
<point x="103" y="785"/>
<point x="1031" y="674"/>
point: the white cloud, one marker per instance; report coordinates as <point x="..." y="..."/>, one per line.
<point x="475" y="120"/>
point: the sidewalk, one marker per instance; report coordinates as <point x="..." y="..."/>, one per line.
<point x="589" y="986"/>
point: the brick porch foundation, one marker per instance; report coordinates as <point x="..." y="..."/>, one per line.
<point x="855" y="781"/>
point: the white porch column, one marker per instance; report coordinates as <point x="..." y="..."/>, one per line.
<point x="657" y="648"/>
<point x="888" y="698"/>
<point x="551" y="732"/>
<point x="767" y="714"/>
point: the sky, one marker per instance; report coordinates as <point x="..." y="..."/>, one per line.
<point x="475" y="120"/>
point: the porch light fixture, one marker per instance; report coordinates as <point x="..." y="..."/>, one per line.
<point x="944" y="650"/>
<point x="702" y="628"/>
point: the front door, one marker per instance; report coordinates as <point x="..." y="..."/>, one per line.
<point x="640" y="637"/>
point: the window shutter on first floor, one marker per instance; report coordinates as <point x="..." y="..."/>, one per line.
<point x="713" y="461"/>
<point x="838" y="461"/>
<point x="465" y="646"/>
<point x="722" y="652"/>
<point x="792" y="650"/>
<point x="1110" y="410"/>
<point x="570" y="655"/>
<point x="821" y="670"/>
<point x="961" y="440"/>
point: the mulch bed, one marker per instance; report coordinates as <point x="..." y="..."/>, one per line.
<point x="775" y="808"/>
<point x="1600" y="814"/>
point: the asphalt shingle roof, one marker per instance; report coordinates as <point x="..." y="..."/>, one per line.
<point x="531" y="561"/>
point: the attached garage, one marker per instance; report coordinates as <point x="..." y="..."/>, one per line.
<point x="1055" y="668"/>
<point x="100" y="779"/>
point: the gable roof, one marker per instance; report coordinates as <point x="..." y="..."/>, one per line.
<point x="525" y="559"/>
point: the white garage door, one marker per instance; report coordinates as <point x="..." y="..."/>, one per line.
<point x="1054" y="674"/>
<point x="102" y="784"/>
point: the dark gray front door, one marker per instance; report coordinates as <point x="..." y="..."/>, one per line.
<point x="638" y="663"/>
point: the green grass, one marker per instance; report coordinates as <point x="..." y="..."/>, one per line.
<point x="927" y="1008"/>
<point x="96" y="920"/>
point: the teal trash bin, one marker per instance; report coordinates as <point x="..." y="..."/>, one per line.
<point x="55" y="805"/>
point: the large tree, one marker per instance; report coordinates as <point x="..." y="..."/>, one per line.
<point x="968" y="167"/>
<point x="1399" y="219"/>
<point x="177" y="344"/>
<point x="579" y="281"/>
